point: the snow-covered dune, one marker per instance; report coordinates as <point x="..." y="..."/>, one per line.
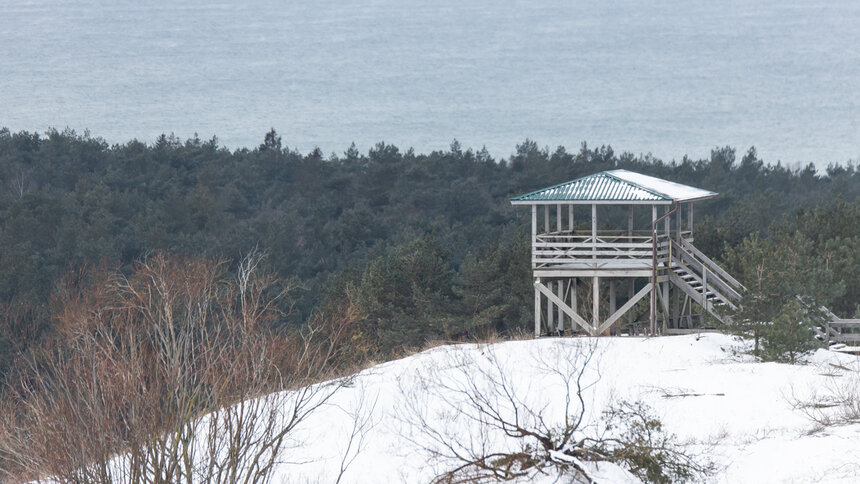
<point x="698" y="385"/>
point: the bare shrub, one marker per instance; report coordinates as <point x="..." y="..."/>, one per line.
<point x="490" y="426"/>
<point x="837" y="402"/>
<point x="171" y="374"/>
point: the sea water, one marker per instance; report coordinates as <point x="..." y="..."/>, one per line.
<point x="670" y="77"/>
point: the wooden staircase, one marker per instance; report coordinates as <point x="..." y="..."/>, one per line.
<point x="700" y="278"/>
<point x="715" y="290"/>
<point x="839" y="334"/>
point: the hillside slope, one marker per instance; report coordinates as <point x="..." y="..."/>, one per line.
<point x="738" y="411"/>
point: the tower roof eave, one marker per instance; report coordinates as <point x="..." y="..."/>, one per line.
<point x="615" y="186"/>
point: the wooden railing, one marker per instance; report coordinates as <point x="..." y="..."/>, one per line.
<point x="840" y="331"/>
<point x="837" y="330"/>
<point x="558" y="248"/>
<point x="736" y="286"/>
<point x="711" y="276"/>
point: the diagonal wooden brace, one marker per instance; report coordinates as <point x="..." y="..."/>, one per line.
<point x="564" y="307"/>
<point x="623" y="309"/>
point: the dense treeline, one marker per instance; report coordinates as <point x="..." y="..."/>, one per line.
<point x="425" y="244"/>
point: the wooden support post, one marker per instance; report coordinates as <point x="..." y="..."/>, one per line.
<point x="550" y="320"/>
<point x="665" y="306"/>
<point x="676" y="309"/>
<point x="630" y="222"/>
<point x="534" y="234"/>
<point x="537" y="308"/>
<point x="631" y="288"/>
<point x="690" y="218"/>
<point x="560" y="292"/>
<point x="653" y="307"/>
<point x="611" y="298"/>
<point x="676" y="292"/>
<point x="668" y="228"/>
<point x="594" y="230"/>
<point x="560" y="283"/>
<point x="678" y="224"/>
<point x="595" y="317"/>
<point x="685" y="310"/>
<point x="573" y="302"/>
<point x="667" y="222"/>
<point x="570" y="217"/>
<point x="631" y="282"/>
<point x="558" y="218"/>
<point x="546" y="219"/>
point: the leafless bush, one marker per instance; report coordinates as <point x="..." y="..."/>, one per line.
<point x="171" y="374"/>
<point x="364" y="419"/>
<point x="838" y="402"/>
<point x="491" y="425"/>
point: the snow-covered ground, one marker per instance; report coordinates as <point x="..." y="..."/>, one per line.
<point x="699" y="386"/>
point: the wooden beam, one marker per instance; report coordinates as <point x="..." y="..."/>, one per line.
<point x="690" y="218"/>
<point x="664" y="302"/>
<point x="558" y="218"/>
<point x="590" y="202"/>
<point x="570" y="217"/>
<point x="632" y="283"/>
<point x="594" y="229"/>
<point x="653" y="307"/>
<point x="631" y="290"/>
<point x="591" y="272"/>
<point x="550" y="320"/>
<point x="630" y="221"/>
<point x="667" y="224"/>
<point x="676" y="305"/>
<point x="595" y="316"/>
<point x="537" y="309"/>
<point x="570" y="312"/>
<point x="573" y="244"/>
<point x="626" y="307"/>
<point x="534" y="231"/>
<point x="546" y="228"/>
<point x="560" y="290"/>
<point x="611" y="298"/>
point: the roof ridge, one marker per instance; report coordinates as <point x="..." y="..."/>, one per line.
<point x="649" y="190"/>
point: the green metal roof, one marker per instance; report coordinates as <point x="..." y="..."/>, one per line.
<point x="620" y="186"/>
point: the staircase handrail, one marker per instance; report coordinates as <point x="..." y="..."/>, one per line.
<point x="718" y="285"/>
<point x="712" y="265"/>
<point x="707" y="284"/>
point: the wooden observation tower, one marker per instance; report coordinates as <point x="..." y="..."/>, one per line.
<point x="575" y="265"/>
